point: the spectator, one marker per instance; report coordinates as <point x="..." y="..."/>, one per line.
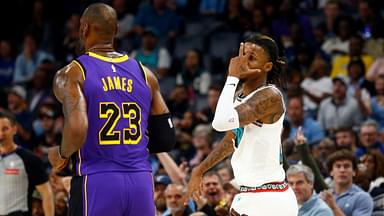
<point x="346" y="198"/>
<point x="212" y="190"/>
<point x="175" y="197"/>
<point x="18" y="106"/>
<point x="22" y="172"/>
<point x="340" y="110"/>
<point x="158" y="16"/>
<point x="316" y="86"/>
<point x="194" y="75"/>
<point x="346" y="138"/>
<point x="202" y="142"/>
<point x="161" y="183"/>
<point x="301" y="180"/>
<point x="29" y="59"/>
<point x="339" y="43"/>
<point x="125" y="22"/>
<point x="206" y="114"/>
<point x="7" y="62"/>
<point x="331" y="11"/>
<point x="377" y="102"/>
<point x="70" y="43"/>
<point x="339" y="63"/>
<point x="369" y="138"/>
<point x="311" y="128"/>
<point x="373" y="163"/>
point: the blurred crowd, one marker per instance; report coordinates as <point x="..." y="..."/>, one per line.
<point x="333" y="86"/>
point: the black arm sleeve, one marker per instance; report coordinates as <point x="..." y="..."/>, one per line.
<point x="161" y="133"/>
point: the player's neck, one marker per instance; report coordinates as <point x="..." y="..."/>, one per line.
<point x="5" y="149"/>
<point x="250" y="87"/>
<point x="102" y="49"/>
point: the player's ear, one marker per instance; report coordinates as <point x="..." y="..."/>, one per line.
<point x="268" y="66"/>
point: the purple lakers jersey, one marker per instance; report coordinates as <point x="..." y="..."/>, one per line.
<point x="118" y="106"/>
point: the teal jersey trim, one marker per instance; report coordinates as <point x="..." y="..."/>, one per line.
<point x="239" y="134"/>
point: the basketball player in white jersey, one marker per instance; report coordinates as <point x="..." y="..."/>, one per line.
<point x="254" y="123"/>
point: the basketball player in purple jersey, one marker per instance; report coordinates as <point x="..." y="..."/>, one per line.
<point x="114" y="113"/>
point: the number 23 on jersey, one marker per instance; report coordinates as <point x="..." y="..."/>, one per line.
<point x="129" y="112"/>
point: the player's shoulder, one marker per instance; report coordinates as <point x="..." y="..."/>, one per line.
<point x="70" y="71"/>
<point x="269" y="91"/>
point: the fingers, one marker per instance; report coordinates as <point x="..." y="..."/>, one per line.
<point x="241" y="49"/>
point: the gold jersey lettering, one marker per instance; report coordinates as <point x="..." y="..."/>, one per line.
<point x="116" y="80"/>
<point x="129" y="87"/>
<point x="105" y="86"/>
<point x="110" y="83"/>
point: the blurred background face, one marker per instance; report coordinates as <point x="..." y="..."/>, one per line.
<point x="30" y="44"/>
<point x="368" y="135"/>
<point x="213" y="97"/>
<point x="301" y="186"/>
<point x="192" y="59"/>
<point x="342" y="172"/>
<point x="224" y="174"/>
<point x="355" y="71"/>
<point x="200" y="140"/>
<point x="14" y="102"/>
<point x="149" y="41"/>
<point x="339" y="90"/>
<point x="344" y="139"/>
<point x="295" y="111"/>
<point x="175" y="198"/>
<point x="379" y="85"/>
<point x="344" y="29"/>
<point x="355" y="46"/>
<point x="5" y="49"/>
<point x="331" y="10"/>
<point x="212" y="189"/>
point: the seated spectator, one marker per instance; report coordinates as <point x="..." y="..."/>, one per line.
<point x="369" y="139"/>
<point x="194" y="76"/>
<point x="301" y="180"/>
<point x="7" y="63"/>
<point x="206" y="114"/>
<point x="311" y="128"/>
<point x="373" y="163"/>
<point x="155" y="57"/>
<point x="175" y="198"/>
<point x="29" y="59"/>
<point x="339" y="43"/>
<point x="346" y="138"/>
<point x="346" y="198"/>
<point x="202" y="143"/>
<point x="161" y="182"/>
<point x="340" y="110"/>
<point x="377" y="102"/>
<point x="340" y="63"/>
<point x="316" y="86"/>
<point x="158" y="16"/>
<point x="213" y="192"/>
<point x="18" y="106"/>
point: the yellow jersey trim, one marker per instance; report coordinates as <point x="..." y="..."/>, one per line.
<point x="108" y="59"/>
<point x="144" y="71"/>
<point x="81" y="68"/>
<point x="85" y="196"/>
<point x="79" y="167"/>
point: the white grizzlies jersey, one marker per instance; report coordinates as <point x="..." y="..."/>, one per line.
<point x="258" y="158"/>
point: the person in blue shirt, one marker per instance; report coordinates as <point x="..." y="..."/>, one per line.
<point x="345" y="197"/>
<point x="311" y="128"/>
<point x="301" y="180"/>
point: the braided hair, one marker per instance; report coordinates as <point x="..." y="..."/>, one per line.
<point x="269" y="45"/>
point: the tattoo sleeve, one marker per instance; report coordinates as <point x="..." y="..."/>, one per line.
<point x="74" y="109"/>
<point x="222" y="150"/>
<point x="265" y="106"/>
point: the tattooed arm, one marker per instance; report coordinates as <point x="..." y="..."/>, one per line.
<point x="67" y="87"/>
<point x="222" y="150"/>
<point x="265" y="105"/>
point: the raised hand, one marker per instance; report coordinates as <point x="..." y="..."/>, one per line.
<point x="239" y="64"/>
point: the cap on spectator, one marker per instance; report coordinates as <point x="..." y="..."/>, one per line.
<point x="343" y="79"/>
<point x="19" y="91"/>
<point x="150" y="31"/>
<point x="163" y="179"/>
